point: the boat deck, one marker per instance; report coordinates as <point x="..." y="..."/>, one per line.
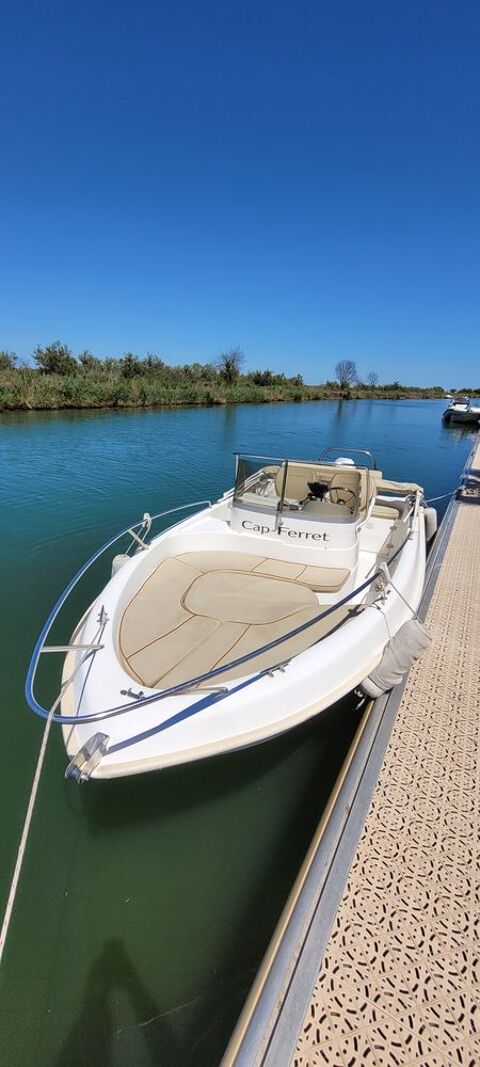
<point x="201" y="610"/>
<point x="400" y="980"/>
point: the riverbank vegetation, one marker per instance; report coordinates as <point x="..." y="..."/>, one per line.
<point x="56" y="379"/>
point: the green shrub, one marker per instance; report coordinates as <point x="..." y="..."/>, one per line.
<point x="55" y="358"/>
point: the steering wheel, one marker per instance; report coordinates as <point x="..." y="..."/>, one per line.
<point x="339" y="494"/>
<point x="317" y="490"/>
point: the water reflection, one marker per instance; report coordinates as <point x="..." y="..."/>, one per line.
<point x="341" y="412"/>
<point x="460" y="431"/>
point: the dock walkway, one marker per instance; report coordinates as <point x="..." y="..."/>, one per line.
<point x="399" y="983"/>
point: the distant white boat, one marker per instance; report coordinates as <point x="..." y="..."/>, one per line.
<point x="462" y="409"/>
<point x="242" y="620"/>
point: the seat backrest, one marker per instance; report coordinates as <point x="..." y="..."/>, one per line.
<point x="351" y="480"/>
<point x="369" y="489"/>
<point x="298" y="477"/>
<point x="361" y="481"/>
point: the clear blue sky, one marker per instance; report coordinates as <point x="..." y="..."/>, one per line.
<point x="301" y="179"/>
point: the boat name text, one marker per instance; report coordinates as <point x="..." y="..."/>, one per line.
<point x="305" y="534"/>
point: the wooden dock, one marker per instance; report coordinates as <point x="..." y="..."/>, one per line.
<point x="376" y="958"/>
<point x="400" y="979"/>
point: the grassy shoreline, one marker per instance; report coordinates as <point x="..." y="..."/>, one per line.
<point x="56" y="380"/>
<point x="27" y="390"/>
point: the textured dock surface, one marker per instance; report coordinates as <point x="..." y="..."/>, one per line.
<point x="400" y="981"/>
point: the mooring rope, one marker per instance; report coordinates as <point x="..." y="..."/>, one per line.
<point x="432" y="499"/>
<point x="405" y="601"/>
<point x="33" y="795"/>
<point x="25" y="832"/>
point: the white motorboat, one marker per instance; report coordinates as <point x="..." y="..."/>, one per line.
<point x="462" y="409"/>
<point x="243" y="619"/>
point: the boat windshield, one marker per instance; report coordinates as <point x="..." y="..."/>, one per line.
<point x="319" y="489"/>
<point x="260" y="477"/>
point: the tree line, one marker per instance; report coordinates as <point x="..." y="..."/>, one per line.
<point x="58" y="358"/>
<point x="348" y="378"/>
<point x="56" y="378"/>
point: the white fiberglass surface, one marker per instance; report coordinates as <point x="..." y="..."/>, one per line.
<point x="374" y="534"/>
<point x="309" y="682"/>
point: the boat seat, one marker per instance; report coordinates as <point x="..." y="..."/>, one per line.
<point x="298" y="477"/>
<point x="382" y="511"/>
<point x="200" y="610"/>
<point x="325" y="509"/>
<point x="359" y="480"/>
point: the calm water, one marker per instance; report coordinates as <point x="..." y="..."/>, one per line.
<point x="146" y="904"/>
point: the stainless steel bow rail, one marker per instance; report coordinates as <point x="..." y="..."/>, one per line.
<point x="140" y="544"/>
<point x="97" y="746"/>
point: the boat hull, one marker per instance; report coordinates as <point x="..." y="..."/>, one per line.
<point x="462" y="416"/>
<point x="186" y="727"/>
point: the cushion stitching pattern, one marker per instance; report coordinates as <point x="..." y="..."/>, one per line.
<point x="160" y="637"/>
<point x="134" y="598"/>
<point x="246" y="626"/>
<point x="187" y="653"/>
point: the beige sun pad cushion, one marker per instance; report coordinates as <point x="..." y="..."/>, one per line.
<point x="236" y="596"/>
<point x="257" y="636"/>
<point x="220" y="561"/>
<point x="187" y="619"/>
<point x="157" y="609"/>
<point x="320" y="579"/>
<point x="191" y="650"/>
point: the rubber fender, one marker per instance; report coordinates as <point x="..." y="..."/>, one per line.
<point x="401" y="652"/>
<point x="118" y="562"/>
<point x="431" y="523"/>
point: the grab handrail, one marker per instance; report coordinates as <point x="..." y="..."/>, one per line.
<point x="39" y="645"/>
<point x="355" y="451"/>
<point x="176" y="690"/>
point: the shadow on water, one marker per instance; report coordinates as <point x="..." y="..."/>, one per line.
<point x="92" y="1036"/>
<point x="197" y="1028"/>
<point x="147" y="903"/>
<point x="198" y="784"/>
<point x="170" y="793"/>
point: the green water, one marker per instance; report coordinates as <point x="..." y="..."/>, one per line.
<point x="145" y="905"/>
